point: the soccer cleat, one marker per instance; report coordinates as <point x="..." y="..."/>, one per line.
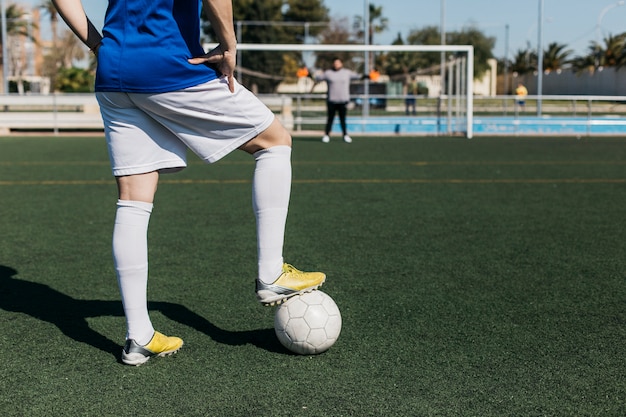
<point x="347" y="139"/>
<point x="326" y="139"/>
<point x="159" y="345"/>
<point x="291" y="282"/>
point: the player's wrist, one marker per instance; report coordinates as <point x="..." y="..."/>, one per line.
<point x="94" y="49"/>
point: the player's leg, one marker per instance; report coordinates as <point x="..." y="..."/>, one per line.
<point x="331" y="109"/>
<point x="132" y="148"/>
<point x="343" y="109"/>
<point x="130" y="251"/>
<point x="271" y="188"/>
<point x="130" y="254"/>
<point x="197" y="116"/>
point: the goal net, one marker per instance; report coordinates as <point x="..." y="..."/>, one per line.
<point x="382" y="105"/>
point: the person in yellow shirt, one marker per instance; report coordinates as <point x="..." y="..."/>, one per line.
<point x="521" y="92"/>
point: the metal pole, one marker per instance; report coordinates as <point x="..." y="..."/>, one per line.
<point x="449" y="95"/>
<point x="366" y="66"/>
<point x="506" y="65"/>
<point x="442" y="64"/>
<point x="540" y="58"/>
<point x="5" y="61"/>
<point x="305" y="41"/>
<point x="470" y="93"/>
<point x="442" y="70"/>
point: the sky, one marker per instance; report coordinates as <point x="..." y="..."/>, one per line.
<point x="570" y="22"/>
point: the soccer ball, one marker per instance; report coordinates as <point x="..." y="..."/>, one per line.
<point x="308" y="323"/>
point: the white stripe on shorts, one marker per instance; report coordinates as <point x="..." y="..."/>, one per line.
<point x="148" y="132"/>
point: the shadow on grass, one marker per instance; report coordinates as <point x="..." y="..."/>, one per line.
<point x="69" y="315"/>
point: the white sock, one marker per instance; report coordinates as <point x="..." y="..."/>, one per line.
<point x="130" y="254"/>
<point x="271" y="188"/>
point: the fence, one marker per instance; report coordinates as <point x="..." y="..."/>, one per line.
<point x="576" y="115"/>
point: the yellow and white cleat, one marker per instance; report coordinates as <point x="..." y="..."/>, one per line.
<point x="159" y="345"/>
<point x="290" y="282"/>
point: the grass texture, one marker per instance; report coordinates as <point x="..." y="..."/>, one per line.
<point x="482" y="277"/>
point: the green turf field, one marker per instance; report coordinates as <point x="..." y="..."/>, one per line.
<point x="482" y="277"/>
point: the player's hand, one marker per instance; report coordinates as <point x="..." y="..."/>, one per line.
<point x="223" y="60"/>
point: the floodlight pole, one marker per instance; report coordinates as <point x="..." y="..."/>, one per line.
<point x="5" y="61"/>
<point x="506" y="88"/>
<point x="540" y="58"/>
<point x="442" y="63"/>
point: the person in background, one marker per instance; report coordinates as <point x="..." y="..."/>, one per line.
<point x="520" y="100"/>
<point x="338" y="80"/>
<point x="411" y="90"/>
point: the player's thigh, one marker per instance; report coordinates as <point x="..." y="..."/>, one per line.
<point x="137" y="143"/>
<point x="212" y="121"/>
<point x="138" y="187"/>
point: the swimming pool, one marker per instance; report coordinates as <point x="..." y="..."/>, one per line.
<point x="527" y="125"/>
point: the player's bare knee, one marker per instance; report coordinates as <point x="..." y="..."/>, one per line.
<point x="283" y="138"/>
<point x="275" y="135"/>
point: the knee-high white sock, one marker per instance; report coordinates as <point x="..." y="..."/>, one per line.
<point x="271" y="188"/>
<point x="130" y="253"/>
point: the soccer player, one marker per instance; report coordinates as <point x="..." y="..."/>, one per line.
<point x="160" y="94"/>
<point x="338" y="80"/>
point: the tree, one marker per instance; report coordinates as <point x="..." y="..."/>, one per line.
<point x="612" y="54"/>
<point x="399" y="65"/>
<point x="430" y="35"/>
<point x="524" y="61"/>
<point x="306" y="19"/>
<point x="48" y="7"/>
<point x="335" y="34"/>
<point x="18" y="30"/>
<point x="261" y="22"/>
<point x="483" y="47"/>
<point x="74" y="80"/>
<point x="555" y="56"/>
<point x="586" y="62"/>
<point x="71" y="49"/>
<point x="300" y="12"/>
<point x="377" y="23"/>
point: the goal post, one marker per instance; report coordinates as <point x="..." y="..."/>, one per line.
<point x="467" y="67"/>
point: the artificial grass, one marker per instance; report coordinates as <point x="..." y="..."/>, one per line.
<point x="479" y="277"/>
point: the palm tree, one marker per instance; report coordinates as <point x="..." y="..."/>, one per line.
<point x="555" y="56"/>
<point x="612" y="54"/>
<point x="18" y="29"/>
<point x="48" y="7"/>
<point x="377" y="24"/>
<point x="71" y="49"/>
<point x="17" y="25"/>
<point x="524" y="61"/>
<point x="586" y="62"/>
<point x="614" y="51"/>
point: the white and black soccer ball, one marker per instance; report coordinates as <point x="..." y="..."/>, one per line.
<point x="309" y="323"/>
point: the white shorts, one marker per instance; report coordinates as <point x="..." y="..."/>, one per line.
<point x="151" y="132"/>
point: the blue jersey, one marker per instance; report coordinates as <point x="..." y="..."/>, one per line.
<point x="146" y="45"/>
